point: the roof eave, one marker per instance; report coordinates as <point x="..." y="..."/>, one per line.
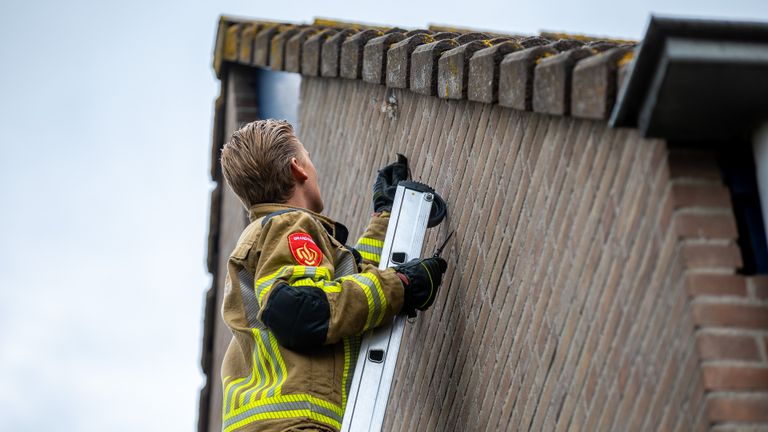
<point x="696" y="79"/>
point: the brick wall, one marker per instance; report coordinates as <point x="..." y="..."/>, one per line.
<point x="730" y="310"/>
<point x="565" y="306"/>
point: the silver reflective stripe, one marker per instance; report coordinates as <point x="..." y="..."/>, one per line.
<point x="250" y="303"/>
<point x="251" y="307"/>
<point x="272" y="359"/>
<point x="345" y="264"/>
<point x="228" y="400"/>
<point x="354" y="351"/>
<point x="262" y="373"/>
<point x="375" y="294"/>
<point x="368" y="248"/>
<point x="266" y="284"/>
<point x="282" y="406"/>
<point x="309" y="272"/>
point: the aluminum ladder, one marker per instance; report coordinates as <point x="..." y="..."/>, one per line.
<point x="375" y="370"/>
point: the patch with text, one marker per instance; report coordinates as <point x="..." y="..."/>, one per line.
<point x="304" y="249"/>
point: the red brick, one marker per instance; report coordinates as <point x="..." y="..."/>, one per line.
<point x="718" y="377"/>
<point x="738" y="409"/>
<point x="706" y="225"/>
<point x="760" y="286"/>
<point x="716" y="284"/>
<point x="707" y="255"/>
<point x="701" y="195"/>
<point x="727" y="347"/>
<point x="730" y="315"/>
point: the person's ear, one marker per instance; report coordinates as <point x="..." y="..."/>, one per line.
<point x="298" y="171"/>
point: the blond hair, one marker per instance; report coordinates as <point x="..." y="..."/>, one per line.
<point x="257" y="161"/>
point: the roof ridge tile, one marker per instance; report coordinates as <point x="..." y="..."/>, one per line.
<point x="330" y="54"/>
<point x="351" y="60"/>
<point x="552" y="81"/>
<point x="453" y="69"/>
<point x="595" y="82"/>
<point x="311" y="51"/>
<point x="375" y="56"/>
<point x="277" y="47"/>
<point x="398" y="70"/>
<point x="294" y="47"/>
<point x="424" y="65"/>
<point x="516" y="74"/>
<point x="483" y="82"/>
<point x="552" y="73"/>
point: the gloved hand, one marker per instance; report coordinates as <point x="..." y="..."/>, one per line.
<point x="421" y="279"/>
<point x="385" y="185"/>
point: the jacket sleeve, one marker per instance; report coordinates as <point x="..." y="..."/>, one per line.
<point x="372" y="241"/>
<point x="299" y="299"/>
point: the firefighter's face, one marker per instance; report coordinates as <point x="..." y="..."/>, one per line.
<point x="312" y="187"/>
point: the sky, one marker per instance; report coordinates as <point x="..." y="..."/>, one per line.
<point x="105" y="131"/>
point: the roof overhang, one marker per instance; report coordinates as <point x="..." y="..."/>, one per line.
<point x="696" y="79"/>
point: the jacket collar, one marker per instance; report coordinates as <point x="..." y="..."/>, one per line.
<point x="334" y="229"/>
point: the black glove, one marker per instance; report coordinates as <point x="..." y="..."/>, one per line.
<point x="421" y="279"/>
<point x="385" y="186"/>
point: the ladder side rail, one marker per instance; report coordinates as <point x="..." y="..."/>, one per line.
<point x="371" y="381"/>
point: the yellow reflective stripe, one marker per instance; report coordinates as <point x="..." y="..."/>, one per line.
<point x="276" y="384"/>
<point x="328" y="287"/>
<point x="229" y="401"/>
<point x="280" y="362"/>
<point x="252" y="375"/>
<point x="269" y="281"/>
<point x="264" y="358"/>
<point x="369" y="256"/>
<point x="264" y="284"/>
<point x="292" y="398"/>
<point x="371" y="242"/>
<point x="314" y="273"/>
<point x="271" y="353"/>
<point x="289" y="406"/>
<point x="351" y="352"/>
<point x="345" y="373"/>
<point x="368" y="296"/>
<point x="431" y="285"/>
<point x="260" y="368"/>
<point x="227" y="387"/>
<point x="370" y="248"/>
<point x="276" y="364"/>
<point x="291" y="274"/>
<point x="264" y="372"/>
<point x="287" y="414"/>
<point x="379" y="292"/>
<point x="271" y="277"/>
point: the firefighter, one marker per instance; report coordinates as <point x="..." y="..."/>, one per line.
<point x="296" y="298"/>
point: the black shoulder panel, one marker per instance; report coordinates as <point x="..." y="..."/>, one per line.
<point x="298" y="316"/>
<point x="342" y="233"/>
<point x="266" y="218"/>
<point x="356" y="254"/>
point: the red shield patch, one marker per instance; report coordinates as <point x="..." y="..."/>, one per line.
<point x="304" y="249"/>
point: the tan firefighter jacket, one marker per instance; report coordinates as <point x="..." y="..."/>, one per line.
<point x="297" y="300"/>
